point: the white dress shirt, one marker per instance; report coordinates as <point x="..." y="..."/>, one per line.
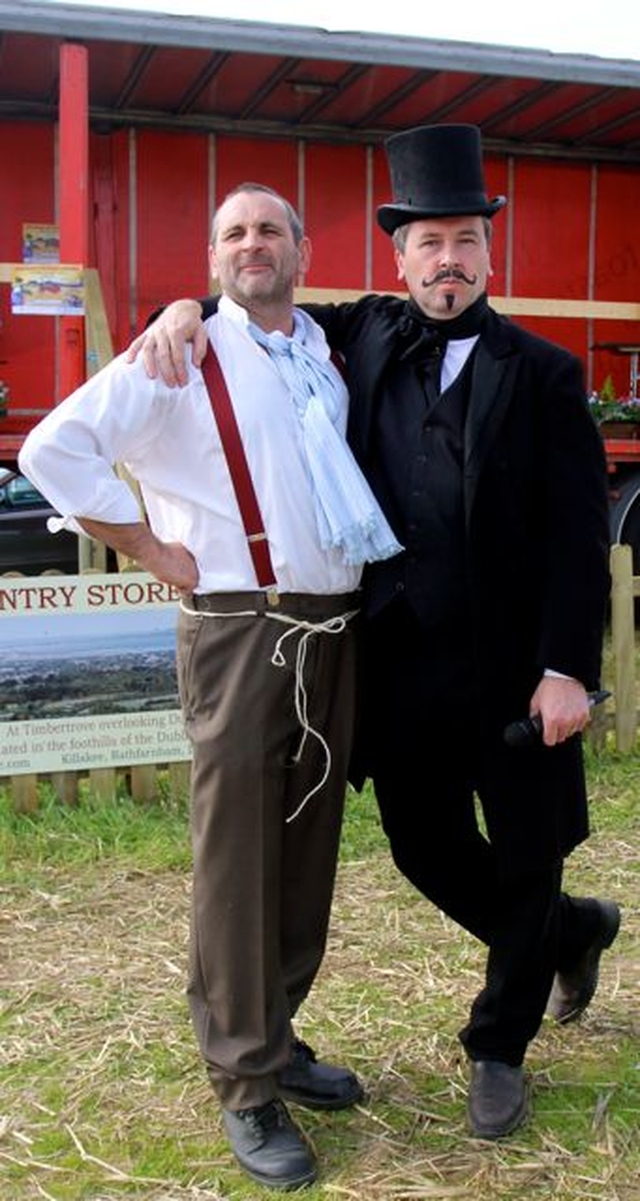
<point x="455" y="356"/>
<point x="169" y="441"/>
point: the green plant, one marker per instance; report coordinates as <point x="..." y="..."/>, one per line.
<point x="614" y="410"/>
<point x="606" y="405"/>
<point x="608" y="391"/>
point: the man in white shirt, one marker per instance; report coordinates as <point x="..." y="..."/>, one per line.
<point x="266" y="670"/>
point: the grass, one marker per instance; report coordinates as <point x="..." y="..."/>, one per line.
<point x="101" y="1092"/>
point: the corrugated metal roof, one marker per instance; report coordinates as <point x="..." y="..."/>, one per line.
<point x="283" y="81"/>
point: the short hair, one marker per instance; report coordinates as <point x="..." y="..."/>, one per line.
<point x="295" y="224"/>
<point x="399" y="235"/>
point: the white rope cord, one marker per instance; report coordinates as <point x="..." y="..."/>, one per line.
<point x="205" y="612"/>
<point x="332" y="625"/>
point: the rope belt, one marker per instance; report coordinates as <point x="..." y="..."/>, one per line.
<point x="258" y="606"/>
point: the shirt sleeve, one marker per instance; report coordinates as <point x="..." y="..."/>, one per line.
<point x="70" y="455"/>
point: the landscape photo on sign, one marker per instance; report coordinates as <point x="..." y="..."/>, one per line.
<point x="87" y="673"/>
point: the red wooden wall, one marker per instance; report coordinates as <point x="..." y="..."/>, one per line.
<point x="26" y="194"/>
<point x="570" y="231"/>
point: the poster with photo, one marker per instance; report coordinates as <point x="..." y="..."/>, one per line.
<point x="47" y="290"/>
<point x="40" y="243"/>
<point x="87" y="673"/>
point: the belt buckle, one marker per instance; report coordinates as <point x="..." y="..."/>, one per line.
<point x="273" y="600"/>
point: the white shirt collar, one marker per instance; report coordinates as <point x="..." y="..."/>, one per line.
<point x="314" y="338"/>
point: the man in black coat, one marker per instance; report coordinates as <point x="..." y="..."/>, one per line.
<point x="477" y="440"/>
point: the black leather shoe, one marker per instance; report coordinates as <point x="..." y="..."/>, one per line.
<point x="317" y="1085"/>
<point x="498" y="1100"/>
<point x="269" y="1146"/>
<point x="574" y="989"/>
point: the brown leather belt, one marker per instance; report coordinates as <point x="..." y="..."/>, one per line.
<point x="306" y="605"/>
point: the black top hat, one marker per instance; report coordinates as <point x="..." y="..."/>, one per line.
<point x="436" y="171"/>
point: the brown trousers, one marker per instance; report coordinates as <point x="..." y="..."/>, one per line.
<point x="262" y="886"/>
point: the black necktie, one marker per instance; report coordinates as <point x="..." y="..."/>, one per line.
<point x="423" y="340"/>
<point x="417" y="340"/>
<point x="418" y="335"/>
<point x="424" y="346"/>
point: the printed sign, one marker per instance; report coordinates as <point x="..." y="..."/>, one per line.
<point x="87" y="673"/>
<point x="47" y="290"/>
<point x="40" y="243"/>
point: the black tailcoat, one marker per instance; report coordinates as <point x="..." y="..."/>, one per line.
<point x="537" y="538"/>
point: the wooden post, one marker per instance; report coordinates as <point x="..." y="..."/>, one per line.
<point x="24" y="790"/>
<point x="65" y="786"/>
<point x="74" y="235"/>
<point x="103" y="783"/>
<point x="92" y="555"/>
<point x="144" y="782"/>
<point x="596" y="731"/>
<point x="74" y="200"/>
<point x="623" y="640"/>
<point x="179" y="776"/>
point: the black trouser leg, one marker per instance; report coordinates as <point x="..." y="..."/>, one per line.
<point x="517" y="918"/>
<point x="444" y="855"/>
<point x="423" y="723"/>
<point x="420" y="721"/>
<point x="523" y="951"/>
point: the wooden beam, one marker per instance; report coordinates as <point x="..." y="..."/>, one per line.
<point x="515" y="306"/>
<point x="623" y="633"/>
<point x="520" y="306"/>
<point x="74" y="202"/>
<point x="99" y="341"/>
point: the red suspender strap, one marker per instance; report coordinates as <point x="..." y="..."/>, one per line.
<point x="238" y="468"/>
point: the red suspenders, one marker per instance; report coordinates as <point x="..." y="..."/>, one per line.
<point x="238" y="468"/>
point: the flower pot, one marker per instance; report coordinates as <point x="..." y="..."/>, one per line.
<point x="620" y="429"/>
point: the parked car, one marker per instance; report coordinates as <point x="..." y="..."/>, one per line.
<point x="26" y="545"/>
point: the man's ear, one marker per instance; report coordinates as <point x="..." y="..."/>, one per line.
<point x="399" y="261"/>
<point x="213" y="262"/>
<point x="304" y="255"/>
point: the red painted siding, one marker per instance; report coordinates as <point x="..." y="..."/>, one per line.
<point x="384" y="278"/>
<point x="171" y="217"/>
<point x="617" y="274"/>
<point x="109" y="249"/>
<point x="551" y="229"/>
<point x="335" y="199"/>
<point x="559" y="212"/>
<point x="239" y="160"/>
<point x="496" y="178"/>
<point x="27" y="344"/>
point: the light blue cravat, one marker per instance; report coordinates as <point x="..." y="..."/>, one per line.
<point x="347" y="513"/>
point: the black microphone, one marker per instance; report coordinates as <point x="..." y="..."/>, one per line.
<point x="527" y="731"/>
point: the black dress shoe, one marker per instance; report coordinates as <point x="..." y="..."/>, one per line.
<point x="269" y="1146"/>
<point x="317" y="1085"/>
<point x="498" y="1100"/>
<point x="574" y="989"/>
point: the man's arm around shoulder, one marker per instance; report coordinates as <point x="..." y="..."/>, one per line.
<point x="162" y="344"/>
